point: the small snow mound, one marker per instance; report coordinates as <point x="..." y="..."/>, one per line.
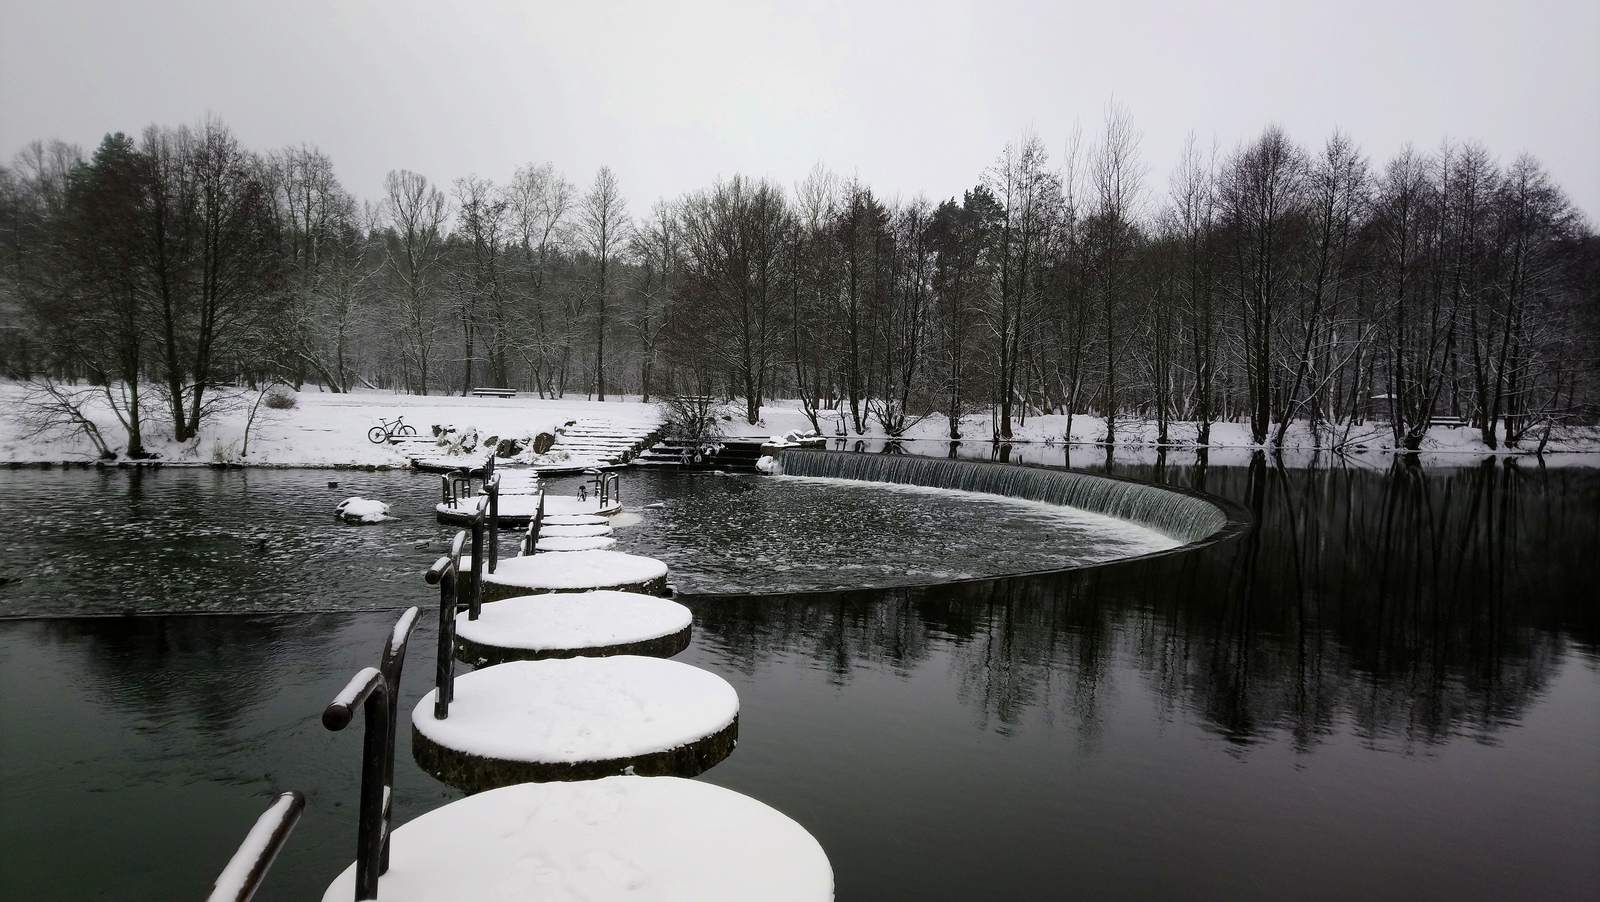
<point x="767" y="464"/>
<point x="362" y="510"/>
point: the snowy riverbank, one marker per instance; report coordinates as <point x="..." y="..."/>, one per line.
<point x="330" y="430"/>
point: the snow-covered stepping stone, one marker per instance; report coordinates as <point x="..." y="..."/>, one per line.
<point x="574" y="571"/>
<point x="576" y="719"/>
<point x="575" y="520"/>
<point x="574" y="543"/>
<point x="573" y="624"/>
<point x="584" y="529"/>
<point x="560" y="505"/>
<point x="656" y="838"/>
<point x="515" y="510"/>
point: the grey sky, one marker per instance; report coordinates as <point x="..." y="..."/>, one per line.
<point x="913" y="97"/>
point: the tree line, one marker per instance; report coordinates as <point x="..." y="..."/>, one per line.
<point x="1272" y="284"/>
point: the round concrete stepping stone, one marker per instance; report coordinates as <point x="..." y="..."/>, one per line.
<point x="573" y="624"/>
<point x="514" y="509"/>
<point x="561" y="505"/>
<point x="657" y="838"/>
<point x="586" y="529"/>
<point x="576" y="719"/>
<point x="574" y="571"/>
<point x="574" y="543"/>
<point x="575" y="520"/>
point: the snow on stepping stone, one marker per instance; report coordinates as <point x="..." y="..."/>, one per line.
<point x="575" y="520"/>
<point x="586" y="529"/>
<point x="657" y="838"/>
<point x="574" y="543"/>
<point x="362" y="510"/>
<point x="576" y="719"/>
<point x="574" y="571"/>
<point x="514" y="509"/>
<point x="569" y="625"/>
<point x="560" y="505"/>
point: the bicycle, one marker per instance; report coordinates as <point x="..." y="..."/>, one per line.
<point x="389" y="429"/>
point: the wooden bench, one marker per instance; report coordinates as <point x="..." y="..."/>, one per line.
<point x="494" y="393"/>
<point x="1448" y="422"/>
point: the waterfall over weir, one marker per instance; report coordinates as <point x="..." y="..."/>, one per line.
<point x="1183" y="516"/>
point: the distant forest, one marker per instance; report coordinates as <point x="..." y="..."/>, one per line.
<point x="1264" y="284"/>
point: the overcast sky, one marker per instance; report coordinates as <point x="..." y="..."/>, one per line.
<point x="912" y="97"/>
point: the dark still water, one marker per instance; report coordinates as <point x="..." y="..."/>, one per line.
<point x="1390" y="689"/>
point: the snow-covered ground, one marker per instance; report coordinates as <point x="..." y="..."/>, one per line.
<point x="330" y="430"/>
<point x="1134" y="433"/>
<point x="321" y="430"/>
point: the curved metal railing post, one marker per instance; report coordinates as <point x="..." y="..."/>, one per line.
<point x="444" y="574"/>
<point x="530" y="541"/>
<point x="241" y="878"/>
<point x="480" y="514"/>
<point x="492" y="489"/>
<point x="392" y="663"/>
<point x="371" y="691"/>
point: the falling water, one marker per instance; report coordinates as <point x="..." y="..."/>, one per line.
<point x="1185" y="517"/>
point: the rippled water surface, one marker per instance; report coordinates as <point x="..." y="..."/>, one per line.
<point x="787" y="534"/>
<point x="233" y="541"/>
<point x="1388" y="690"/>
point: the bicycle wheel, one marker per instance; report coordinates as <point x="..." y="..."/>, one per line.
<point x="408" y="430"/>
<point x="377" y="436"/>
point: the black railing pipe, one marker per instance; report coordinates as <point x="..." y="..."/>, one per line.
<point x="239" y="881"/>
<point x="371" y="691"/>
<point x="492" y="489"/>
<point x="394" y="660"/>
<point x="530" y="541"/>
<point x="444" y="574"/>
<point x="480" y="514"/>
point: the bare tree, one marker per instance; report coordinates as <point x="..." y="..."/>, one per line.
<point x="1117" y="180"/>
<point x="484" y="305"/>
<point x="212" y="260"/>
<point x="415" y="212"/>
<point x="1261" y="192"/>
<point x="604" y="225"/>
<point x="656" y="254"/>
<point x="541" y="208"/>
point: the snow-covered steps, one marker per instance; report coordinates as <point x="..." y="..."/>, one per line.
<point x="574" y="571"/>
<point x="518" y="481"/>
<point x="732" y="455"/>
<point x="576" y="719"/>
<point x="573" y="624"/>
<point x="658" y="838"/>
<point x="589" y="443"/>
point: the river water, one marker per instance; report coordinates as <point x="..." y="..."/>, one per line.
<point x="1389" y="689"/>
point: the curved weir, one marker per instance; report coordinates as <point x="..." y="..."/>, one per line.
<point x="1181" y="515"/>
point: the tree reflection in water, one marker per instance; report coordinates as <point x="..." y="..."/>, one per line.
<point x="1410" y="604"/>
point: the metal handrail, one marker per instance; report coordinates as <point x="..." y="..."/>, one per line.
<point x="242" y="877"/>
<point x="492" y="490"/>
<point x="377" y="691"/>
<point x="445" y="574"/>
<point x="530" y="541"/>
<point x="477" y="526"/>
<point x="371" y="691"/>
